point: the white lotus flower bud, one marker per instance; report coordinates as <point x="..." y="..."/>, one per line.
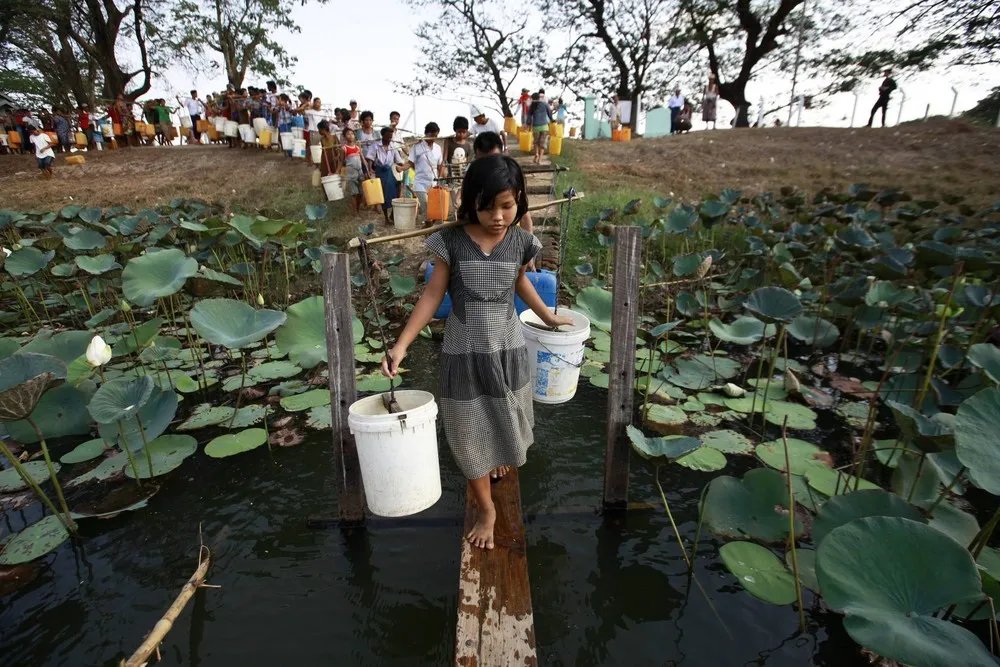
<point x="125" y="307"/>
<point x="98" y="352"/>
<point x="260" y="299"/>
<point x="733" y="390"/>
<point x="870" y="279"/>
<point x="6" y="251"/>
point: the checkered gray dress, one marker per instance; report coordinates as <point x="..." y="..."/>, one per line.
<point x="486" y="389"/>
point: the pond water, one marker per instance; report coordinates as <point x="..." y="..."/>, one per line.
<point x="609" y="592"/>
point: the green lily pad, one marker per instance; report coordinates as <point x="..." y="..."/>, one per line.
<point x="206" y="415"/>
<point x="954" y="522"/>
<point x="98" y="264"/>
<point x="934" y="434"/>
<point x="274" y="370"/>
<point x="705" y="459"/>
<point x="149" y="277"/>
<point x="706" y="419"/>
<point x="832" y="482"/>
<point x="303" y="335"/>
<point x="802" y="455"/>
<point x="106" y="469"/>
<point x="86" y="451"/>
<point x="595" y="303"/>
<point x="813" y="331"/>
<point x="884" y="573"/>
<point x="66" y="346"/>
<point x="807" y="568"/>
<point x="773" y="304"/>
<point x="744" y="330"/>
<point x="800" y="418"/>
<point x="217" y="276"/>
<point x="759" y="571"/>
<point x="664" y="417"/>
<point x="855" y="414"/>
<point x="310" y="399"/>
<point x="62" y="411"/>
<point x="10" y="481"/>
<point x="85" y="239"/>
<point x="755" y="507"/>
<point x="845" y="508"/>
<point x="24" y="379"/>
<point x="375" y="382"/>
<point x="27" y="261"/>
<point x="977" y="424"/>
<point x="727" y="441"/>
<point x="155" y="416"/>
<point x="319" y="418"/>
<point x="236" y="443"/>
<point x="167" y="453"/>
<point x="119" y="400"/>
<point x="231" y="323"/>
<point x="401" y="285"/>
<point x="659" y="451"/>
<point x="289" y="388"/>
<point x="248" y="415"/>
<point x="987" y="357"/>
<point x="35" y="541"/>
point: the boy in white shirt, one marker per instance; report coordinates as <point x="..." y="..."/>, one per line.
<point x="427" y="162"/>
<point x="43" y="151"/>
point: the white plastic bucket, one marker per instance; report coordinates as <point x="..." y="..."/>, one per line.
<point x="220" y="123"/>
<point x="555" y="357"/>
<point x="185" y="121"/>
<point x="298" y="148"/>
<point x="398" y="452"/>
<point x="247" y="134"/>
<point x="259" y="125"/>
<point x="231" y="128"/>
<point x="316" y="152"/>
<point x="286" y="141"/>
<point x="298" y="132"/>
<point x="404" y="213"/>
<point x="274" y="135"/>
<point x="333" y="186"/>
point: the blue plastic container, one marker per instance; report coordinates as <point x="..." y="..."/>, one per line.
<point x="544" y="282"/>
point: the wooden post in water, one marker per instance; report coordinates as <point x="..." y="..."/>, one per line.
<point x="621" y="370"/>
<point x="343" y="391"/>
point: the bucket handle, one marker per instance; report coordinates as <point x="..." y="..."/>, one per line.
<point x="562" y="358"/>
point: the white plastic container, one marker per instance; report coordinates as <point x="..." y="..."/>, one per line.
<point x="333" y="186"/>
<point x="286" y="141"/>
<point x="555" y="357"/>
<point x="185" y="121"/>
<point x="259" y="125"/>
<point x="404" y="213"/>
<point x="316" y="153"/>
<point x="298" y="132"/>
<point x="398" y="452"/>
<point x="231" y="128"/>
<point x="247" y="134"/>
<point x="220" y="124"/>
<point x="298" y="148"/>
<point x="274" y="135"/>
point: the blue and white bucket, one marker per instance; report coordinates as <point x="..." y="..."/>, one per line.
<point x="555" y="357"/>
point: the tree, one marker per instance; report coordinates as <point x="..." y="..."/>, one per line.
<point x="966" y="30"/>
<point x="626" y="46"/>
<point x="238" y="31"/>
<point x="466" y="43"/>
<point x="987" y="110"/>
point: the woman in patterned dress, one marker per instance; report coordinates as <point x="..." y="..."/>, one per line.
<point x="486" y="392"/>
<point x="710" y="100"/>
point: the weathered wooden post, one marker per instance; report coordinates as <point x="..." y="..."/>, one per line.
<point x="343" y="391"/>
<point x="621" y="370"/>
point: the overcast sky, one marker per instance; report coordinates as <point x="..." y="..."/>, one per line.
<point x="336" y="62"/>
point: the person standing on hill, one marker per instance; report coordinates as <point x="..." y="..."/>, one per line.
<point x="457" y="155"/>
<point x="710" y="100"/>
<point x="480" y="124"/>
<point x="196" y="110"/>
<point x="427" y="163"/>
<point x="165" y="124"/>
<point x="523" y="102"/>
<point x="615" y="113"/>
<point x="382" y="156"/>
<point x="540" y="116"/>
<point x="43" y="151"/>
<point x="675" y="104"/>
<point x="884" y="91"/>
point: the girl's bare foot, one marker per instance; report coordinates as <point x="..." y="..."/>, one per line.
<point x="481" y="535"/>
<point x="499" y="472"/>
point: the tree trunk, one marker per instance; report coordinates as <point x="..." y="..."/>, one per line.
<point x="734" y="92"/>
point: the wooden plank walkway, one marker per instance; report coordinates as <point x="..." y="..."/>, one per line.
<point x="496" y="627"/>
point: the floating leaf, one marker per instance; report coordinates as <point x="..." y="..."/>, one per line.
<point x="813" y="331"/>
<point x="86" y="451"/>
<point x="310" y="399"/>
<point x="744" y="330"/>
<point x="248" y="415"/>
<point x="845" y="508"/>
<point x="832" y="482"/>
<point x="773" y="304"/>
<point x="98" y="264"/>
<point x="374" y="382"/>
<point x="206" y="415"/>
<point x="595" y="303"/>
<point x="236" y="443"/>
<point x="754" y="507"/>
<point x="149" y="277"/>
<point x="11" y="481"/>
<point x="665" y="418"/>
<point x="231" y="323"/>
<point x="760" y="572"/>
<point x="167" y="453"/>
<point x="705" y="459"/>
<point x="34" y="541"/>
<point x="319" y="418"/>
<point x="727" y="441"/>
<point x="659" y="451"/>
<point x="802" y="455"/>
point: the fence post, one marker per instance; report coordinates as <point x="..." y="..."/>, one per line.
<point x="343" y="391"/>
<point x="954" y="101"/>
<point x="854" y="112"/>
<point x="902" y="103"/>
<point x="927" y="112"/>
<point x="801" y="106"/>
<point x="621" y="370"/>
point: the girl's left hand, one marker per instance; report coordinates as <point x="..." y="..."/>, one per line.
<point x="558" y="320"/>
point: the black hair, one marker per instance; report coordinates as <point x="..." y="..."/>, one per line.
<point x="385" y="131"/>
<point x="366" y="114"/>
<point x="535" y="96"/>
<point x="285" y="97"/>
<point x="346" y="130"/>
<point x="487" y="178"/>
<point x="324" y="126"/>
<point x="307" y="94"/>
<point x="393" y="113"/>
<point x="271" y="84"/>
<point x="431" y="128"/>
<point x="194" y="92"/>
<point x="541" y="91"/>
<point x="487" y="141"/>
<point x="460" y="123"/>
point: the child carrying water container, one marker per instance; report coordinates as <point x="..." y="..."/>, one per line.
<point x="486" y="391"/>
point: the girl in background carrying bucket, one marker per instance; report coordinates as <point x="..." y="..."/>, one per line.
<point x="486" y="391"/>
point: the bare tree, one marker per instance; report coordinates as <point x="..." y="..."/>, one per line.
<point x="473" y="42"/>
<point x="967" y="30"/>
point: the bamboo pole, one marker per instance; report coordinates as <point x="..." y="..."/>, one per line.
<point x="163" y="626"/>
<point x="356" y="241"/>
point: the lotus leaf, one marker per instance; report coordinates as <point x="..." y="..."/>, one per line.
<point x="248" y="415"/>
<point x="727" y="441"/>
<point x="11" y="481"/>
<point x="800" y="418"/>
<point x="584" y="269"/>
<point x="320" y="418"/>
<point x="855" y="236"/>
<point x="813" y="331"/>
<point x="309" y="399"/>
<point x="832" y="482"/>
<point x="34" y="541"/>
<point x="231" y="323"/>
<point x="659" y="451"/>
<point x="155" y="416"/>
<point x="685" y="265"/>
<point x="664" y="418"/>
<point x="681" y="218"/>
<point x="884" y="573"/>
<point x="289" y="388"/>
<point x="802" y="455"/>
<point x="236" y="443"/>
<point x="303" y="335"/>
<point x="24" y="379"/>
<point x="217" y="276"/>
<point x="760" y="572"/>
<point x="773" y="304"/>
<point x="595" y="303"/>
<point x="86" y="451"/>
<point x="316" y="211"/>
<point x="120" y="399"/>
<point x="401" y="285"/>
<point x="27" y="261"/>
<point x="85" y="239"/>
<point x="957" y="524"/>
<point x="374" y="382"/>
<point x="845" y="508"/>
<point x="98" y="264"/>
<point x="977" y="424"/>
<point x="274" y="370"/>
<point x="149" y="277"/>
<point x="206" y="415"/>
<point x="167" y="453"/>
<point x="987" y="357"/>
<point x="705" y="459"/>
<point x="754" y="507"/>
<point x="936" y="434"/>
<point x="63" y="270"/>
<point x="742" y="331"/>
<point x="62" y="411"/>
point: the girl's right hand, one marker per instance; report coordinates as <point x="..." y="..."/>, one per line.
<point x="397" y="355"/>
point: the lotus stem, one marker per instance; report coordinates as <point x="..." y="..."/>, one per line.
<point x="288" y="281"/>
<point x="916" y="478"/>
<point x="760" y="367"/>
<point x="195" y="349"/>
<point x="52" y="474"/>
<point x="239" y="394"/>
<point x="649" y="380"/>
<point x="791" y="526"/>
<point x="984" y="534"/>
<point x="946" y="490"/>
<point x="670" y="516"/>
<point x="128" y="453"/>
<point x="44" y="497"/>
<point x="937" y="340"/>
<point x="848" y="331"/>
<point x="86" y="299"/>
<point x="145" y="445"/>
<point x="770" y="374"/>
<point x="697" y="531"/>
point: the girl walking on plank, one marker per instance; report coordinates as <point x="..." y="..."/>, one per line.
<point x="486" y="391"/>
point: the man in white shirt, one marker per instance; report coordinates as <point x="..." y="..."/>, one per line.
<point x="675" y="104"/>
<point x="427" y="162"/>
<point x="480" y="124"/>
<point x="195" y="109"/>
<point x="43" y="151"/>
<point x="313" y="117"/>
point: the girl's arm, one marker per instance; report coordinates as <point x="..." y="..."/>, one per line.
<point x="527" y="292"/>
<point x="423" y="313"/>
